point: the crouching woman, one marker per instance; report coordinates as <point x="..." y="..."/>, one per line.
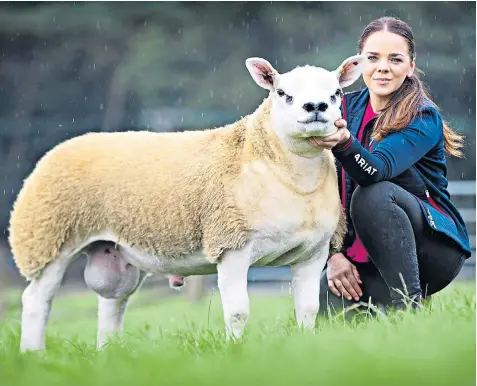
<point x="405" y="238"/>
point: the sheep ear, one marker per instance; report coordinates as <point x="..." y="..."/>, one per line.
<point x="350" y="70"/>
<point x="262" y="73"/>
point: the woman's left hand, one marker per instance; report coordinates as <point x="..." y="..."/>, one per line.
<point x="330" y="141"/>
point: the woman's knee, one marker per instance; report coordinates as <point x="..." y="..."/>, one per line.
<point x="366" y="199"/>
<point x="384" y="197"/>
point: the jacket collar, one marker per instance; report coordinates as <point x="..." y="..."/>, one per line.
<point x="356" y="106"/>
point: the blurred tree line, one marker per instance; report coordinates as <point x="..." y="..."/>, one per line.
<point x="68" y="68"/>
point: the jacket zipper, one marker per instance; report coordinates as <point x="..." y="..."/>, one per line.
<point x="343" y="177"/>
<point x="429" y="216"/>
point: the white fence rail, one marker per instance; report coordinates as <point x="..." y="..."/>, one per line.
<point x="463" y="194"/>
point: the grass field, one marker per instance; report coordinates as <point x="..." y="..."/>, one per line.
<point x="172" y="342"/>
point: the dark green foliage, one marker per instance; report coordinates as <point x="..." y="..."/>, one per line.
<point x="68" y="68"/>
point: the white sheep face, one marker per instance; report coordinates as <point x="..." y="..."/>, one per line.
<point x="306" y="100"/>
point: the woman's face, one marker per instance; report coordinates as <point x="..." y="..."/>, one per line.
<point x="388" y="63"/>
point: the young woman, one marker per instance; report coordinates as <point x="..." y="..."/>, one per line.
<point x="405" y="238"/>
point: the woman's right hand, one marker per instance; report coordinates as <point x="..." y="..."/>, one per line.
<point x="330" y="141"/>
<point x="343" y="277"/>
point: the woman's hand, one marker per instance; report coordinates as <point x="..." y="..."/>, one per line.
<point x="330" y="141"/>
<point x="343" y="277"/>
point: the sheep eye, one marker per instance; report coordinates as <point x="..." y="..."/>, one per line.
<point x="338" y="94"/>
<point x="280" y="93"/>
<point x="289" y="99"/>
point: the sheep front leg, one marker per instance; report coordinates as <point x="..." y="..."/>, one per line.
<point x="111" y="314"/>
<point x="306" y="288"/>
<point x="232" y="282"/>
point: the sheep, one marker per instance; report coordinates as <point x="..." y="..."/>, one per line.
<point x="251" y="193"/>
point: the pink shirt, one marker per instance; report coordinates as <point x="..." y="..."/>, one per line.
<point x="357" y="252"/>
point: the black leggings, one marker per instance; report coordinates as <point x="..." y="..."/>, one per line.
<point x="393" y="229"/>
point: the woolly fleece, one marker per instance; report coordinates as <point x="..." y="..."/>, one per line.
<point x="165" y="193"/>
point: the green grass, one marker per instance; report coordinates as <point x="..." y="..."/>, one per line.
<point x="172" y="342"/>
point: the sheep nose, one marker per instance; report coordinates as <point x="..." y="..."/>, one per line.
<point x="309" y="107"/>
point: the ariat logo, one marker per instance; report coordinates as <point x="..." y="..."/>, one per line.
<point x="364" y="165"/>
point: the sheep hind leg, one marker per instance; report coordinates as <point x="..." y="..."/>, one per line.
<point x="111" y="314"/>
<point x="114" y="280"/>
<point x="36" y="303"/>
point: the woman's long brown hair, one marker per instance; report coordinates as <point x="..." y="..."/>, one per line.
<point x="405" y="102"/>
